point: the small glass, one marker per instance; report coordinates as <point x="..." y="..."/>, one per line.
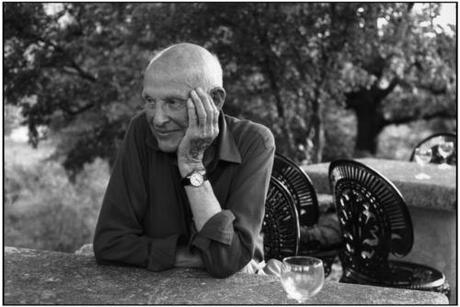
<point x="422" y="157"/>
<point x="302" y="277"/>
<point x="445" y="150"/>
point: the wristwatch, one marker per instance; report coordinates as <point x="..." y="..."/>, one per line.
<point x="195" y="178"/>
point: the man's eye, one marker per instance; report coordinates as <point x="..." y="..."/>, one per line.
<point x="149" y="101"/>
<point x="174" y="103"/>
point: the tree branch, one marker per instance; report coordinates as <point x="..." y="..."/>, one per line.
<point x="407" y="119"/>
<point x="433" y="90"/>
<point x="77" y="111"/>
<point x="381" y="94"/>
<point x="84" y="74"/>
<point x="269" y="62"/>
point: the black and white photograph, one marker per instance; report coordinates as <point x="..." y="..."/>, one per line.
<point x="230" y="153"/>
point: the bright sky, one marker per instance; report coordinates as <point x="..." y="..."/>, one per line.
<point x="447" y="14"/>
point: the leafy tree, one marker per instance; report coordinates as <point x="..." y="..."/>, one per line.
<point x="291" y="66"/>
<point x="401" y="71"/>
<point x="73" y="73"/>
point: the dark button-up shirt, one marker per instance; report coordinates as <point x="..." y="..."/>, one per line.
<point x="146" y="215"/>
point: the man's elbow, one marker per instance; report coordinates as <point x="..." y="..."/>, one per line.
<point x="101" y="252"/>
<point x="222" y="272"/>
<point x="224" y="269"/>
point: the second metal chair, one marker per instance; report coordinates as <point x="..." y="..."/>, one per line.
<point x="375" y="223"/>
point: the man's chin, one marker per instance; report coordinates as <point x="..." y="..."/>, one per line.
<point x="168" y="148"/>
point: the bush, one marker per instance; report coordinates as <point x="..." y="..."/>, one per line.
<point x="44" y="210"/>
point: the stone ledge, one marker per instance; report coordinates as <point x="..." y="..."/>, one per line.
<point x="46" y="277"/>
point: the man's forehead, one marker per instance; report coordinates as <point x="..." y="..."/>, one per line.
<point x="166" y="85"/>
<point x="172" y="76"/>
<point x="167" y="76"/>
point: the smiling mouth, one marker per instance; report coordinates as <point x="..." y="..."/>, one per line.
<point x="165" y="133"/>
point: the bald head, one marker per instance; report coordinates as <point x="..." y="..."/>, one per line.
<point x="188" y="63"/>
<point x="169" y="80"/>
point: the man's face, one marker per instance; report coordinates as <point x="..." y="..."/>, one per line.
<point x="165" y="97"/>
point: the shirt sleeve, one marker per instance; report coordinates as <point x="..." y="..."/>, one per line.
<point x="119" y="236"/>
<point x="227" y="241"/>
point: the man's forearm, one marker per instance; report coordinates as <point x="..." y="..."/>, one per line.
<point x="185" y="258"/>
<point x="203" y="203"/>
<point x="118" y="247"/>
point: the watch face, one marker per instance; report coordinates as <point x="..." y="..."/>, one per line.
<point x="196" y="179"/>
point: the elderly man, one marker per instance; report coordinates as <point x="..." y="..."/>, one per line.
<point x="188" y="187"/>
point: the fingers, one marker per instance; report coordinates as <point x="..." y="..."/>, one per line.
<point x="206" y="110"/>
<point x="209" y="106"/>
<point x="202" y="128"/>
<point x="192" y="119"/>
<point x="199" y="108"/>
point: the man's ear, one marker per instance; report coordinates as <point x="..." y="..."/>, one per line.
<point x="218" y="96"/>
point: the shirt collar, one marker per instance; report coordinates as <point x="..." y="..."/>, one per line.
<point x="227" y="148"/>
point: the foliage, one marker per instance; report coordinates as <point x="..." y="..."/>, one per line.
<point x="11" y="118"/>
<point x="340" y="134"/>
<point x="334" y="76"/>
<point x="291" y="66"/>
<point x="77" y="90"/>
<point x="43" y="210"/>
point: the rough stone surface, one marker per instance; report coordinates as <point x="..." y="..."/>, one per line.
<point x="439" y="192"/>
<point x="45" y="277"/>
<point x="435" y="243"/>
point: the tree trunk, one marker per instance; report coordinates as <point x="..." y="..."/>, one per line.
<point x="318" y="137"/>
<point x="369" y="126"/>
<point x="370" y="121"/>
<point x="318" y="141"/>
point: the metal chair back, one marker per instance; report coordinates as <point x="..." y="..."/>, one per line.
<point x="300" y="186"/>
<point x="280" y="227"/>
<point x="373" y="216"/>
<point x="303" y="192"/>
<point x="375" y="222"/>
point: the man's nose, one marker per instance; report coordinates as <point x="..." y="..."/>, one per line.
<point x="160" y="117"/>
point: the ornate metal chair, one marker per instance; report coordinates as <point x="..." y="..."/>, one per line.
<point x="301" y="188"/>
<point x="375" y="222"/>
<point x="433" y="142"/>
<point x="281" y="223"/>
